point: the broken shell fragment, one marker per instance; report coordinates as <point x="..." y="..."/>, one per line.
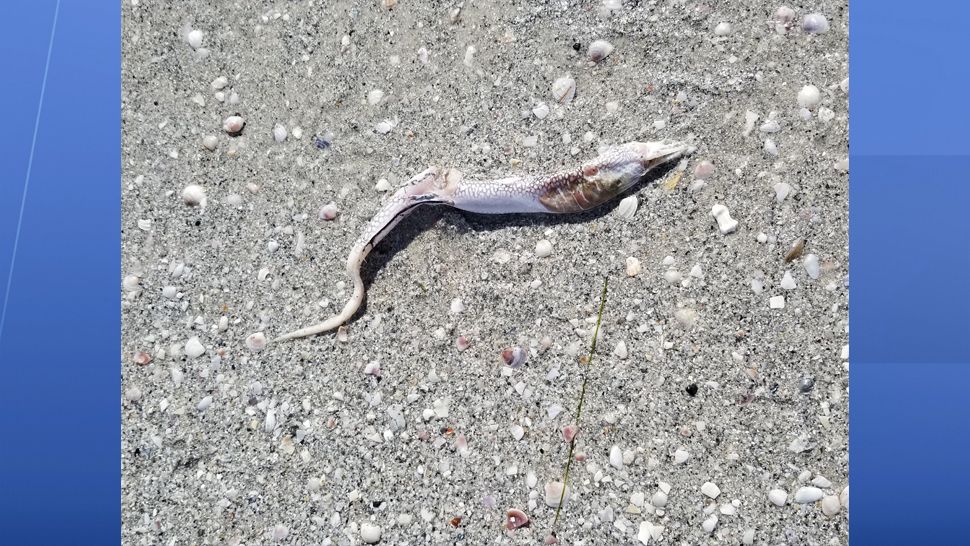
<point x="564" y="89"/>
<point x="796" y="250"/>
<point x="515" y="518"/>
<point x="599" y="50"/>
<point x="555" y="494"/>
<point x="627" y="207"/>
<point x="569" y="432"/>
<point x="514" y="356"/>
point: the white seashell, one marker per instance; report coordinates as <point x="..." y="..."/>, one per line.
<point x="564" y="89"/>
<point x="470" y="56"/>
<point x="722" y="29"/>
<point x="627" y="207"/>
<point x="808" y="495"/>
<point x="599" y="50"/>
<point x="382" y="185"/>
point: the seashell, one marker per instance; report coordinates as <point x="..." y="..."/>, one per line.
<point x="342" y="335"/>
<point x="515" y="518"/>
<point x="564" y="89"/>
<point x="627" y="207"/>
<point x="462" y="343"/>
<point x="599" y="50"/>
<point x="514" y="356"/>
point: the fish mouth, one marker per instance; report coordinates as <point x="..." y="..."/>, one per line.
<point x="664" y="151"/>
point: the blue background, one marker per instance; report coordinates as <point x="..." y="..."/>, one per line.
<point x="910" y="265"/>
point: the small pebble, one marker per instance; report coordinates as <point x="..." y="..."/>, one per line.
<point x="806" y="384"/>
<point x="541" y="110"/>
<point x="329" y="211"/>
<point x="194" y="348"/>
<point x="725" y="223"/>
<point x="796" y="250"/>
<point x="279" y="133"/>
<point x="382" y="185"/>
<point x="616" y="457"/>
<point x="782" y="191"/>
<point x="704" y="169"/>
<point x="776" y="302"/>
<point x="620" y="350"/>
<point x="710" y="523"/>
<point x="831" y="505"/>
<point x="375" y="97"/>
<point x="632" y="267"/>
<point x="517" y="432"/>
<point x="815" y="23"/>
<point x="681" y="456"/>
<point x="370" y="533"/>
<point x="256" y="342"/>
<point x="722" y="29"/>
<point x="778" y="497"/>
<point x="133" y="394"/>
<point x="233" y="125"/>
<point x="194" y="196"/>
<point x="194" y="37"/>
<point x="384" y="127"/>
<point x="788" y="282"/>
<point x="809" y="97"/>
<point x="710" y="490"/>
<point x="204" y="403"/>
<point x="210" y="142"/>
<point x="747" y="539"/>
<point x="770" y="147"/>
<point x="553" y="492"/>
<point x="462" y="343"/>
<point x="812" y="267"/>
<point x="808" y="495"/>
<point x="543" y="248"/>
<point x="821" y="482"/>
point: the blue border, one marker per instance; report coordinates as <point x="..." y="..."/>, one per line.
<point x="59" y="350"/>
<point x="910" y="266"/>
<point x="59" y="354"/>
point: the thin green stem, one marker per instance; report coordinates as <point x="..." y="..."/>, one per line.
<point x="579" y="408"/>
